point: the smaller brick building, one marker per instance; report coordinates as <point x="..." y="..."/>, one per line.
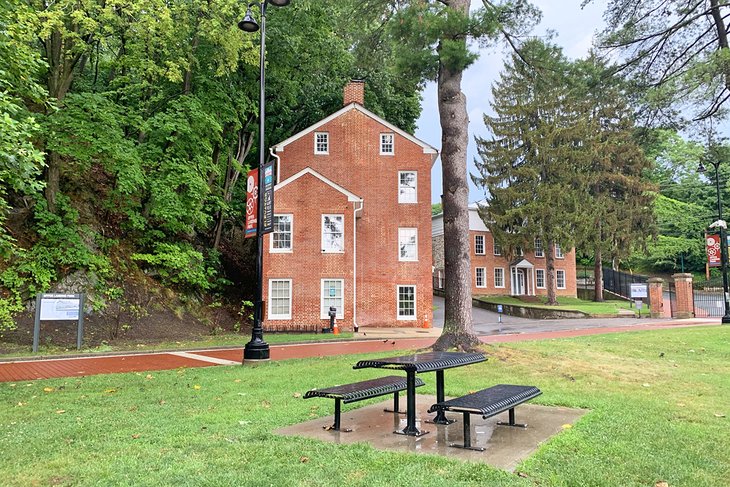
<point x="493" y="274"/>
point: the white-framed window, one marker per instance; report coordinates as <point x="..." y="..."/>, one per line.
<point x="540" y="278"/>
<point x="407" y="187"/>
<point x="497" y="248"/>
<point x="520" y="252"/>
<point x="408" y="244"/>
<point x="560" y="279"/>
<point x="279" y="299"/>
<point x="387" y="144"/>
<point x="281" y="237"/>
<point x="499" y="277"/>
<point x="333" y="233"/>
<point x="558" y="252"/>
<point x="539" y="251"/>
<point x="479" y="244"/>
<point x="321" y="143"/>
<point x="406" y="302"/>
<point x="481" y="276"/>
<point x="333" y="295"/>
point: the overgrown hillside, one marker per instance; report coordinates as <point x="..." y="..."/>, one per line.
<point x="125" y="132"/>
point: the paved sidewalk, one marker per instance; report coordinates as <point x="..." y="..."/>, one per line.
<point x="380" y="340"/>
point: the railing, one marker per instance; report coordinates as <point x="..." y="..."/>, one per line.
<point x="619" y="282"/>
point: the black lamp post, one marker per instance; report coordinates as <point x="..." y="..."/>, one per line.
<point x="723" y="239"/>
<point x="257" y="348"/>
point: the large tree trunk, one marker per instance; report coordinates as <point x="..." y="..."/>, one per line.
<point x="598" y="275"/>
<point x="61" y="64"/>
<point x="552" y="299"/>
<point x="458" y="328"/>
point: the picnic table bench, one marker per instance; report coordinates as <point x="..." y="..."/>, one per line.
<point x="358" y="391"/>
<point x="487" y="402"/>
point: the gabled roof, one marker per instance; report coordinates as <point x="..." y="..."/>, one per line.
<point x="308" y="170"/>
<point x="427" y="149"/>
<point x="522" y="264"/>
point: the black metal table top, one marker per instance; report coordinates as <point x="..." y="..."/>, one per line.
<point x="423" y="362"/>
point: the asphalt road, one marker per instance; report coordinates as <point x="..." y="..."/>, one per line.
<point x="487" y="322"/>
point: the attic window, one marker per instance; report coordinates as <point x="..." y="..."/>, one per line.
<point x="387" y="144"/>
<point x="321" y="143"/>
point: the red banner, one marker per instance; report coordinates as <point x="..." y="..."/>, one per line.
<point x="712" y="246"/>
<point x="252" y="198"/>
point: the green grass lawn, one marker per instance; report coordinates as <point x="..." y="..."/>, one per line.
<point x="208" y="341"/>
<point x="569" y="304"/>
<point x="658" y="405"/>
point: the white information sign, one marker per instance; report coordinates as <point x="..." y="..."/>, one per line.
<point x="55" y="307"/>
<point x="639" y="290"/>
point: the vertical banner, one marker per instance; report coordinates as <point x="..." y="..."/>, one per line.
<point x="712" y="247"/>
<point x="267" y="188"/>
<point x="252" y="197"/>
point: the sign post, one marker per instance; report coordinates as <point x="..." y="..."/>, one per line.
<point x="59" y="307"/>
<point x="639" y="291"/>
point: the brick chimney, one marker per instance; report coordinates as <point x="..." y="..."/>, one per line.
<point x="354" y="92"/>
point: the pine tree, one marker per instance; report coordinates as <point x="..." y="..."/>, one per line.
<point x="619" y="215"/>
<point x="529" y="167"/>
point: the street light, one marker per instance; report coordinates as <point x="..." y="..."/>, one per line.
<point x="257" y="348"/>
<point x="723" y="238"/>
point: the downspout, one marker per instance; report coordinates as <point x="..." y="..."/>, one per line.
<point x="354" y="266"/>
<point x="278" y="164"/>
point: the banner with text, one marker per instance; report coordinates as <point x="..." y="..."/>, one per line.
<point x="252" y="197"/>
<point x="712" y="246"/>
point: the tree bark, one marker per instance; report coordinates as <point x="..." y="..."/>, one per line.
<point x="598" y="275"/>
<point x="458" y="327"/>
<point x="550" y="278"/>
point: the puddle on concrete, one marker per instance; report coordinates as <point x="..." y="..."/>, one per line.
<point x="505" y="447"/>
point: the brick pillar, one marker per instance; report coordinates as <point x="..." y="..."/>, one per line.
<point x="656" y="297"/>
<point x="684" y="297"/>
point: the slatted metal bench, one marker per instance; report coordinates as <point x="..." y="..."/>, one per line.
<point x="362" y="390"/>
<point x="487" y="402"/>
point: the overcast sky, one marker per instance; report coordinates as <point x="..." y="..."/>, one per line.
<point x="575" y="28"/>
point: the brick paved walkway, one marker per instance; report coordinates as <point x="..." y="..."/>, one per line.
<point x="81" y="366"/>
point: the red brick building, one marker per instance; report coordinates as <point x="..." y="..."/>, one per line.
<point x="352" y="219"/>
<point x="493" y="274"/>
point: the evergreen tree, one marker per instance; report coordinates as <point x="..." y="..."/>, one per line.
<point x="529" y="167"/>
<point x="618" y="216"/>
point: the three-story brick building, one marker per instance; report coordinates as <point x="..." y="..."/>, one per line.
<point x="352" y="224"/>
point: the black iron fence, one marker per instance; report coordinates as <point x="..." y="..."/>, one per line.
<point x="619" y="282"/>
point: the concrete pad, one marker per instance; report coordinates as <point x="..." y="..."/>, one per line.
<point x="505" y="446"/>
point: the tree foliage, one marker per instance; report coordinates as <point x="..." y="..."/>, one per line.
<point x="675" y="51"/>
<point x="145" y="116"/>
<point x="529" y="166"/>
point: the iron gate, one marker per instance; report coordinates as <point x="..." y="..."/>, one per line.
<point x="708" y="301"/>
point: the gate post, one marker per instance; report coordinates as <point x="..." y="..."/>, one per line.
<point x="656" y="297"/>
<point x="685" y="298"/>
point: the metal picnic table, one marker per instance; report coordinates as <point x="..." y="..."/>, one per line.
<point x="418" y="363"/>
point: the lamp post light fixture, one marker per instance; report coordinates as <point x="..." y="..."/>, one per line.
<point x="723" y="239"/>
<point x="257" y="348"/>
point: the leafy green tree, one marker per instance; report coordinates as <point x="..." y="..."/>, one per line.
<point x="20" y="160"/>
<point x="530" y="167"/>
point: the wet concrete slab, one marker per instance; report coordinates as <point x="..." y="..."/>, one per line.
<point x="504" y="446"/>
